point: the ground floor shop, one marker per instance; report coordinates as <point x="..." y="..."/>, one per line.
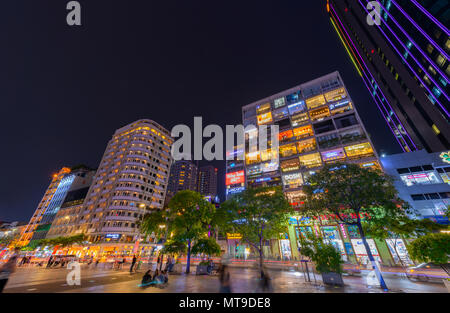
<point x="344" y="238"/>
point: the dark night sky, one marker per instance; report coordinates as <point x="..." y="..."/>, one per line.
<point x="65" y="90"/>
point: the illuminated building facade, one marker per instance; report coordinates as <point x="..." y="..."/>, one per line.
<point x="423" y="180"/>
<point x="64" y="223"/>
<point x="72" y="182"/>
<point x="183" y="176"/>
<point x="207" y="181"/>
<point x="404" y="62"/>
<point x="130" y="182"/>
<point x="46" y="200"/>
<point x="318" y="124"/>
<point x="235" y="172"/>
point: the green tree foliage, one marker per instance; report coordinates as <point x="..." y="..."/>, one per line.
<point x="396" y="224"/>
<point x="208" y="246"/>
<point x="434" y="248"/>
<point x="63" y="241"/>
<point x="350" y="193"/>
<point x="156" y="223"/>
<point x="191" y="217"/>
<point x="174" y="247"/>
<point x="257" y="214"/>
<point x="324" y="255"/>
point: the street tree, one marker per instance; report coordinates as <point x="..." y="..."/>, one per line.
<point x="396" y="224"/>
<point x="191" y="217"/>
<point x="433" y="248"/>
<point x="207" y="246"/>
<point x="257" y="214"/>
<point x="352" y="193"/>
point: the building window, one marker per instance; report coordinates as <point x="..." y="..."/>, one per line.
<point x="335" y="95"/>
<point x="315" y="102"/>
<point x="311" y="160"/>
<point x="359" y="150"/>
<point x="420" y="179"/>
<point x="288" y="150"/>
<point x="306" y="145"/>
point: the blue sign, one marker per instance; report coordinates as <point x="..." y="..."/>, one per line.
<point x="113" y="236"/>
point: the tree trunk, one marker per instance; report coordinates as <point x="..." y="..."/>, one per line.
<point x="261" y="256"/>
<point x="188" y="261"/>
<point x="371" y="258"/>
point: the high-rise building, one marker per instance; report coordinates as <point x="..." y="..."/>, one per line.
<point x="45" y="202"/>
<point x="423" y="180"/>
<point x="404" y="62"/>
<point x="130" y="182"/>
<point x="76" y="179"/>
<point x="207" y="181"/>
<point x="64" y="224"/>
<point x="183" y="176"/>
<point x="318" y="124"/>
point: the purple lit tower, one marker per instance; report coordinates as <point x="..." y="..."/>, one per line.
<point x="404" y="63"/>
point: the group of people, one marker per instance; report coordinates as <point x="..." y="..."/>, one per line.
<point x="158" y="278"/>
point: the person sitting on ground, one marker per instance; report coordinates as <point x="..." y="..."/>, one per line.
<point x="161" y="278"/>
<point x="147" y="278"/>
<point x="156" y="274"/>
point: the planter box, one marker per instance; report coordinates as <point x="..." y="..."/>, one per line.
<point x="332" y="279"/>
<point x="177" y="269"/>
<point x="202" y="270"/>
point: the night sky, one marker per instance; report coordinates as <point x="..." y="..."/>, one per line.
<point x="65" y="90"/>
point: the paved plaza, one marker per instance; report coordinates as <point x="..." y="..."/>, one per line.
<point x="243" y="280"/>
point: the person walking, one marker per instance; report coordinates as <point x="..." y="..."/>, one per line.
<point x="265" y="282"/>
<point x="133" y="262"/>
<point x="224" y="278"/>
<point x="50" y="261"/>
<point x="8" y="268"/>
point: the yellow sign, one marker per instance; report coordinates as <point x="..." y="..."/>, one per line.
<point x="234" y="236"/>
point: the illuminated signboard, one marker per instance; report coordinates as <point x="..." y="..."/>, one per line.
<point x="445" y="156"/>
<point x="113" y="236"/>
<point x="338" y="105"/>
<point x="263" y="179"/>
<point x="235" y="178"/>
<point x="296" y="107"/>
<point x="254" y="170"/>
<point x="293" y="180"/>
<point x="278" y="103"/>
<point x="336" y="94"/>
<point x="359" y="149"/>
<point x="315" y="102"/>
<point x="235" y="190"/>
<point x="263" y="108"/>
<point x="269" y="167"/>
<point x="234" y="236"/>
<point x="333" y="155"/>
<point x="265" y="118"/>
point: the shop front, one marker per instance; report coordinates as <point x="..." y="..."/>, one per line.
<point x="346" y="239"/>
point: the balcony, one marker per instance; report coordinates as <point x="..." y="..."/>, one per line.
<point x="121" y="218"/>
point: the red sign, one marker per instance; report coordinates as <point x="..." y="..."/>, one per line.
<point x="235" y="178"/>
